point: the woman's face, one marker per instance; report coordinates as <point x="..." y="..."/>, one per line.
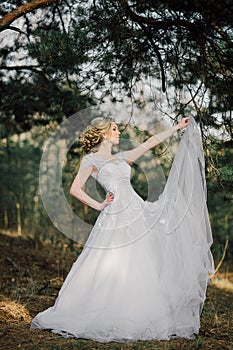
<point x="113" y="134"/>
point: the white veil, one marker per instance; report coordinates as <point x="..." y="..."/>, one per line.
<point x="184" y="228"/>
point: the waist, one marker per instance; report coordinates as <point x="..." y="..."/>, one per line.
<point x="125" y="198"/>
<point x="119" y="187"/>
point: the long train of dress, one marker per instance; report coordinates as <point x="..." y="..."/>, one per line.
<point x="145" y="267"/>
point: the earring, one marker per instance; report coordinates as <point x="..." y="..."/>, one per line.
<point x="105" y="140"/>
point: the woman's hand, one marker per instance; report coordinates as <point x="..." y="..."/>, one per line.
<point x="109" y="198"/>
<point x="181" y="125"/>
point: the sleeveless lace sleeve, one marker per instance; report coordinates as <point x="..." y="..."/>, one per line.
<point x="123" y="155"/>
<point x="86" y="162"/>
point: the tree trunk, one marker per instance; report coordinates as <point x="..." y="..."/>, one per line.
<point x="6" y="220"/>
<point x="19" y="223"/>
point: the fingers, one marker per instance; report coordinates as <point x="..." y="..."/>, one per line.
<point x="184" y="122"/>
<point x="109" y="197"/>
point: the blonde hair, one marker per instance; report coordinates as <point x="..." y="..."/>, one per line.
<point x="93" y="135"/>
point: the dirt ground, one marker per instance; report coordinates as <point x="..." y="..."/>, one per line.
<point x="32" y="274"/>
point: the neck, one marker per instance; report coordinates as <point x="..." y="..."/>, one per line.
<point x="105" y="149"/>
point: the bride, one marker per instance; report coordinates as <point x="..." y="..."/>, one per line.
<point x="145" y="267"/>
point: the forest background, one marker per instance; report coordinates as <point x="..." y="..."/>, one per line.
<point x="151" y="61"/>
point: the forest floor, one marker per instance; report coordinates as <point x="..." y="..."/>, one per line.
<point x="32" y="274"/>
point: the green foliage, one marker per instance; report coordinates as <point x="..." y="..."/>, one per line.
<point x="57" y="52"/>
<point x="109" y="46"/>
<point x="36" y="102"/>
<point x="220" y="189"/>
<point x="19" y="185"/>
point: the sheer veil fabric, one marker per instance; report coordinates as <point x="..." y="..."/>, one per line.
<point x="144" y="270"/>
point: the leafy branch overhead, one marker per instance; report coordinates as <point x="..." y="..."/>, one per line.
<point x="111" y="45"/>
<point x="197" y="21"/>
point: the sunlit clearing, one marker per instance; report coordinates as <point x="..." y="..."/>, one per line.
<point x="13" y="312"/>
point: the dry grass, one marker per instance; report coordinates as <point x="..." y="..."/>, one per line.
<point x="32" y="277"/>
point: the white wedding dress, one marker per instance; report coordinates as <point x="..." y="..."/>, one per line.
<point x="145" y="267"/>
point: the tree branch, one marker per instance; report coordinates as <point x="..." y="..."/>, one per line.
<point x="222" y="258"/>
<point x="6" y="20"/>
<point x="16" y="30"/>
<point x="60" y="16"/>
<point x="158" y="24"/>
<point x="18" y="68"/>
<point x="157" y="54"/>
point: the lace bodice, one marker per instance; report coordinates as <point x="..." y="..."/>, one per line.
<point x="113" y="174"/>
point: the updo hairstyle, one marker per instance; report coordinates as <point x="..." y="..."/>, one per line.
<point x="93" y="135"/>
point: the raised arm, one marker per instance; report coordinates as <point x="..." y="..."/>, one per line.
<point x="77" y="191"/>
<point x="155" y="140"/>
